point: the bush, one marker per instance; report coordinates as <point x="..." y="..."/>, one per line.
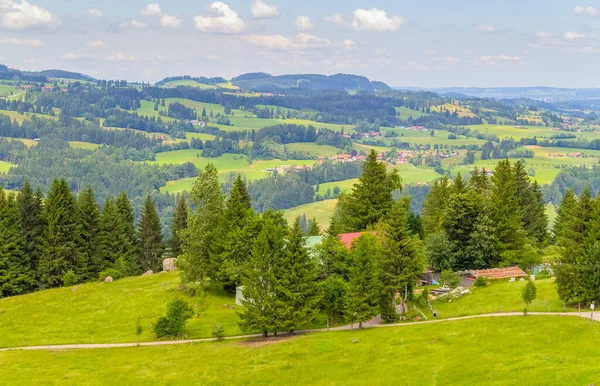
<point x="451" y="279"/>
<point x="69" y="278"/>
<point x="480" y="282"/>
<point x="172" y="325"/>
<point x="114" y="273"/>
<point x="218" y="332"/>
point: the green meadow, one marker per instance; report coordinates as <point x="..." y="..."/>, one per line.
<point x="320" y="210"/>
<point x="15" y="115"/>
<point x="191" y="83"/>
<point x="5" y="166"/>
<point x="406" y="113"/>
<point x="531" y="350"/>
<point x="83" y="145"/>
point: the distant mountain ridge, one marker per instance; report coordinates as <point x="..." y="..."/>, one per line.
<point x="547" y="94"/>
<point x="266" y="82"/>
<point x="40" y="76"/>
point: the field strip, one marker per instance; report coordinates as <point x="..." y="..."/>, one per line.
<point x="587" y="315"/>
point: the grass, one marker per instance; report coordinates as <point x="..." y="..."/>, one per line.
<point x="106" y="312"/>
<point x="5" y="166"/>
<point x="83" y="145"/>
<point x="201" y="136"/>
<point x="147" y="110"/>
<point x="528" y="350"/>
<point x="313" y="149"/>
<point x="501" y="296"/>
<point x="27" y="142"/>
<point x="191" y="83"/>
<point x="343" y="185"/>
<point x="405" y="113"/>
<point x="14" y="115"/>
<point x="321" y="210"/>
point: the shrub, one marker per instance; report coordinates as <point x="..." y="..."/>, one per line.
<point x="69" y="278"/>
<point x="114" y="273"/>
<point x="218" y="332"/>
<point x="480" y="282"/>
<point x="172" y="325"/>
<point x="451" y="279"/>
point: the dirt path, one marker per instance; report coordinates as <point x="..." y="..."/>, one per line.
<point x="375" y="323"/>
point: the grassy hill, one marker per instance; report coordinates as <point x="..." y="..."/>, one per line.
<point x="491" y="351"/>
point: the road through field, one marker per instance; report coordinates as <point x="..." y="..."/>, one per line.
<point x="373" y="324"/>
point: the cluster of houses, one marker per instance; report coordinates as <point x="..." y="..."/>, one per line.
<point x="286" y="168"/>
<point x="570" y="155"/>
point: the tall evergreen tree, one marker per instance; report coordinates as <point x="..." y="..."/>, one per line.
<point x="313" y="228"/>
<point x="259" y="280"/>
<point x="30" y="206"/>
<point x="16" y="276"/>
<point x="88" y="216"/>
<point x="150" y="237"/>
<point x="178" y="224"/>
<point x="401" y="262"/>
<point x="129" y="252"/>
<point x="111" y="240"/>
<point x="363" y="287"/>
<point x="296" y="290"/>
<point x="60" y="235"/>
<point x="203" y="228"/>
<point x="434" y="206"/>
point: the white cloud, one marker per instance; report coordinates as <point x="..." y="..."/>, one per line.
<point x="120" y="57"/>
<point x="222" y="19"/>
<point x="303" y="23"/>
<point x="486" y="28"/>
<point x="449" y="60"/>
<point x="544" y="35"/>
<point x="95" y="12"/>
<point x="304" y="38"/>
<point x="152" y="9"/>
<point x="96" y="44"/>
<point x="414" y="66"/>
<point x="74" y="56"/>
<point x="273" y="42"/>
<point x="24" y="15"/>
<point x="132" y="24"/>
<point x="573" y="35"/>
<point x="586" y="11"/>
<point x="369" y="20"/>
<point x="349" y="44"/>
<point x="170" y="21"/>
<point x="33" y="43"/>
<point x="262" y="10"/>
<point x="498" y="59"/>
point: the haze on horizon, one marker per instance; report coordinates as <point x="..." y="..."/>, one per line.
<point x="426" y="44"/>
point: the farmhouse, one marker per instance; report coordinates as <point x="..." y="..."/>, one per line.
<point x="469" y="277"/>
<point x="576" y="155"/>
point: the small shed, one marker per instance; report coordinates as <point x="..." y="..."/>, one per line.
<point x="468" y="277"/>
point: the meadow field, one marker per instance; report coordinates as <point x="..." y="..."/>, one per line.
<point x="83" y="145"/>
<point x="15" y="115"/>
<point x="532" y="350"/>
<point x="5" y="166"/>
<point x="320" y="210"/>
<point x="191" y="83"/>
<point x="406" y="113"/>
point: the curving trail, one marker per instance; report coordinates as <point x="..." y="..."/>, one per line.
<point x="372" y="324"/>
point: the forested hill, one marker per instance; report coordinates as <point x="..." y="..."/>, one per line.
<point x="41" y="76"/>
<point x="342" y="82"/>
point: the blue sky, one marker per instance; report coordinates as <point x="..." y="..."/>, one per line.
<point x="403" y="43"/>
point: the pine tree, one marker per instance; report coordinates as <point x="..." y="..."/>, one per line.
<point x="150" y="237"/>
<point x="363" y="287"/>
<point x="434" y="206"/>
<point x="371" y="198"/>
<point x="30" y="206"/>
<point x="333" y="257"/>
<point x="178" y="224"/>
<point x="313" y="228"/>
<point x="203" y="228"/>
<point x="506" y="214"/>
<point x="129" y="251"/>
<point x="16" y="276"/>
<point x="296" y="291"/>
<point x="88" y="216"/>
<point x="479" y="181"/>
<point x="111" y="238"/>
<point x="60" y="235"/>
<point x="531" y="203"/>
<point x="401" y="262"/>
<point x="259" y="281"/>
<point x="459" y="186"/>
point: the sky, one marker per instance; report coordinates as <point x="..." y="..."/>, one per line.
<point x="425" y="43"/>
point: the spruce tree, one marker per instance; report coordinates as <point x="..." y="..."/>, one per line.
<point x="259" y="280"/>
<point x="203" y="228"/>
<point x="111" y="239"/>
<point x="88" y="215"/>
<point x="435" y="205"/>
<point x="178" y="225"/>
<point x="333" y="258"/>
<point x="313" y="228"/>
<point x="296" y="291"/>
<point x="150" y="237"/>
<point x="30" y="206"/>
<point x="60" y="235"/>
<point x="363" y="286"/>
<point x="401" y="262"/>
<point x="129" y="252"/>
<point x="16" y="276"/>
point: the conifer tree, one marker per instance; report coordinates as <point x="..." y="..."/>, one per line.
<point x="458" y="185"/>
<point x="313" y="228"/>
<point x="178" y="224"/>
<point x="333" y="258"/>
<point x="16" y="276"/>
<point x="88" y="215"/>
<point x="203" y="228"/>
<point x="30" y="206"/>
<point x="60" y="235"/>
<point x="479" y="181"/>
<point x="150" y="237"/>
<point x="129" y="251"/>
<point x="296" y="290"/>
<point x="434" y="206"/>
<point x="111" y="238"/>
<point x="363" y="286"/>
<point x="259" y="280"/>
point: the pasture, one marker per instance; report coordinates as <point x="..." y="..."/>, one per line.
<point x="191" y="83"/>
<point x="5" y="166"/>
<point x="83" y="145"/>
<point x="16" y="116"/>
<point x="321" y="210"/>
<point x="406" y="113"/>
<point x="313" y="149"/>
<point x="492" y="351"/>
